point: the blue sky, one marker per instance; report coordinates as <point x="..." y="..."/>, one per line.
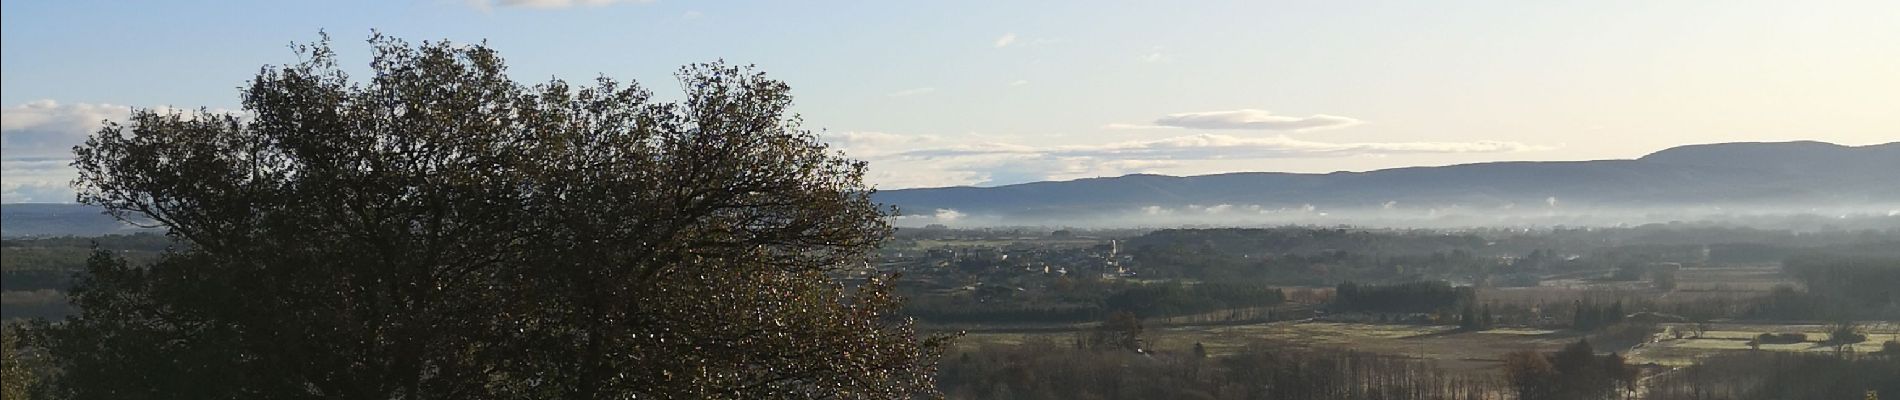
<point x="986" y="93"/>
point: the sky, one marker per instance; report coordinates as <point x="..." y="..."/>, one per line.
<point x="999" y="92"/>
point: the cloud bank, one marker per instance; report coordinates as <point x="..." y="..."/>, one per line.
<point x="36" y="144"/>
<point x="1249" y="119"/>
<point x="902" y="161"/>
<point x="1217" y="147"/>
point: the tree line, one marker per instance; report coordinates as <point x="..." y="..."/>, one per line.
<point x="1409" y="297"/>
<point x="1146" y="300"/>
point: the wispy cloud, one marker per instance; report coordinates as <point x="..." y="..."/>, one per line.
<point x="876" y="144"/>
<point x="1006" y="40"/>
<point x="1156" y="55"/>
<point x="913" y="92"/>
<point x="1243" y="119"/>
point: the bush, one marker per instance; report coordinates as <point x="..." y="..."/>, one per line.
<point x="1782" y="338"/>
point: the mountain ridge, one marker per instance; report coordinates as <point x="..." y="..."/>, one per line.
<point x="1800" y="175"/>
<point x="1718" y="174"/>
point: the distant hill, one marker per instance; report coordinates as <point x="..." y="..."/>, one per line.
<point x="1728" y="176"/>
<point x="48" y="219"/>
<point x="1789" y="174"/>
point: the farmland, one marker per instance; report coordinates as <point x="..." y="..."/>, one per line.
<point x="1723" y="338"/>
<point x="1463" y="351"/>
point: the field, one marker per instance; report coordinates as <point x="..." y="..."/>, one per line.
<point x="1751" y="278"/>
<point x="1463" y="351"/>
<point x="926" y="244"/>
<point x="1665" y="349"/>
<point x="1453" y="349"/>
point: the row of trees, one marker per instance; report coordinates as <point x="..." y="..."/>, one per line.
<point x="1148" y="300"/>
<point x="1576" y="372"/>
<point x="1846" y="286"/>
<point x="1410" y="297"/>
<point x="1782" y="375"/>
<point x="1593" y="315"/>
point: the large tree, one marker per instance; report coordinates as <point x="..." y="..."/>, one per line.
<point x="443" y="231"/>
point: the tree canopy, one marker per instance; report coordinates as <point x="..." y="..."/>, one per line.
<point x="443" y="231"/>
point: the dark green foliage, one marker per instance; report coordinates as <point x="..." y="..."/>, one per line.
<point x="1470" y="320"/>
<point x="36" y="272"/>
<point x="1121" y="331"/>
<point x="1838" y="286"/>
<point x="1092" y="300"/>
<point x="1591" y="315"/>
<point x="1305" y="256"/>
<point x="48" y="263"/>
<point x="1786" y="302"/>
<point x="1663" y="279"/>
<point x="1309" y="240"/>
<point x="1843" y="333"/>
<point x="1413" y="297"/>
<point x="17" y="377"/>
<point x="1173" y="298"/>
<point x="1781" y="338"/>
<point x="442" y="231"/>
<point x="939" y="310"/>
<point x="1861" y="287"/>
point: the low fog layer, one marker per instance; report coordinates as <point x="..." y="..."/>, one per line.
<point x="1398" y="215"/>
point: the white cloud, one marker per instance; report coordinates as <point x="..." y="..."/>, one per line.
<point x="36" y="142"/>
<point x="913" y="92"/>
<point x="1012" y="40"/>
<point x="1005" y="40"/>
<point x="875" y="144"/>
<point x="1249" y="119"/>
<point x="1156" y="55"/>
<point x="900" y="161"/>
<point x="37" y="181"/>
<point x="46" y="128"/>
<point x="692" y="15"/>
<point x="1215" y="147"/>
